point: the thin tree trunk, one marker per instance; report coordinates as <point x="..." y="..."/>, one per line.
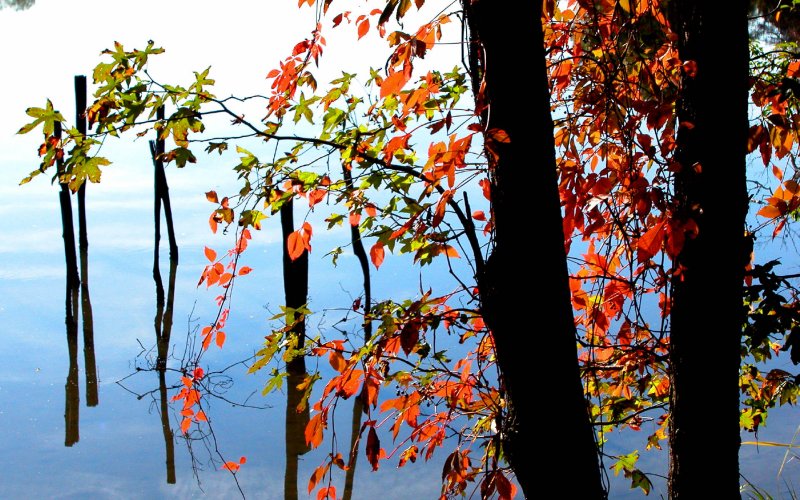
<point x="164" y="305"/>
<point x="92" y="396"/>
<point x="72" y="393"/>
<point x="523" y="177"/>
<point x="711" y="190"/>
<point x="358" y="402"/>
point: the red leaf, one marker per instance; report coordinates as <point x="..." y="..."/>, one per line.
<point x="198" y="373"/>
<point x="355" y="218"/>
<point x="373" y="448"/>
<point x="409" y="336"/>
<point x="376" y="253"/>
<point x="210" y="254"/>
<point x="245" y="270"/>
<point x="479" y="215"/>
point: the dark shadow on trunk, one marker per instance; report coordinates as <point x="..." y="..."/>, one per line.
<point x="92" y="396"/>
<point x="710" y="189"/>
<point x="523" y="177"/>
<point x="295" y="286"/>
<point x="358" y="401"/>
<point x="164" y="305"/>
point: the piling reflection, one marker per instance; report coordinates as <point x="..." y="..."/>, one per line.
<point x="296" y="422"/>
<point x="72" y="391"/>
<point x="164" y="304"/>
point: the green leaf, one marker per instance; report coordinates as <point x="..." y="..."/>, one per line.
<point x="626" y="462"/>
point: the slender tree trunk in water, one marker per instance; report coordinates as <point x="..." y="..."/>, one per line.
<point x="524" y="182"/>
<point x="164" y="305"/>
<point x="711" y="190"/>
<point x="72" y="392"/>
<point x="295" y="286"/>
<point x="358" y="401"/>
<point x="92" y="397"/>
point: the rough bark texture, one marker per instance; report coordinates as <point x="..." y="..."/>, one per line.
<point x="535" y="341"/>
<point x="711" y="189"/>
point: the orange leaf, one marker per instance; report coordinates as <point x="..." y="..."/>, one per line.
<point x="438" y="215"/>
<point x="371" y="210"/>
<point x="794" y="69"/>
<point x="212" y="197"/>
<point x="479" y="215"/>
<point x="210" y="254"/>
<point x="220" y="338"/>
<point x="394" y="83"/>
<point x="294" y="244"/>
<point x="231" y="466"/>
<point x="337" y="361"/>
<point x="487" y="193"/>
<point x="212" y="223"/>
<point x="313" y="432"/>
<point x="187" y="412"/>
<point x="316" y="477"/>
<point x="185" y="424"/>
<point x="245" y="270"/>
<point x="225" y="278"/>
<point x="201" y="415"/>
<point x="355" y="218"/>
<point x="327" y="492"/>
<point x="650" y="242"/>
<point x="769" y="211"/>
<point x="376" y="253"/>
<point x="363" y="28"/>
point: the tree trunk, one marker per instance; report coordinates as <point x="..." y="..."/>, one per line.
<point x="529" y="348"/>
<point x="710" y="189"/>
<point x="295" y="286"/>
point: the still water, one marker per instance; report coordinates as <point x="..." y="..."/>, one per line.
<point x="66" y="436"/>
<point x="61" y="442"/>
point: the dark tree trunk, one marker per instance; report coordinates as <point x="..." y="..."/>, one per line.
<point x="710" y="189"/>
<point x="92" y="396"/>
<point x="295" y="286"/>
<point x="525" y="202"/>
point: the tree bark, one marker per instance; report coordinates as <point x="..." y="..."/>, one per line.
<point x="710" y="188"/>
<point x="524" y="181"/>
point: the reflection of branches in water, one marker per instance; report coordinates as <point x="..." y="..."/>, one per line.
<point x="215" y="385"/>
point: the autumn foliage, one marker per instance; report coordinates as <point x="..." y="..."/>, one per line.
<point x="414" y="144"/>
